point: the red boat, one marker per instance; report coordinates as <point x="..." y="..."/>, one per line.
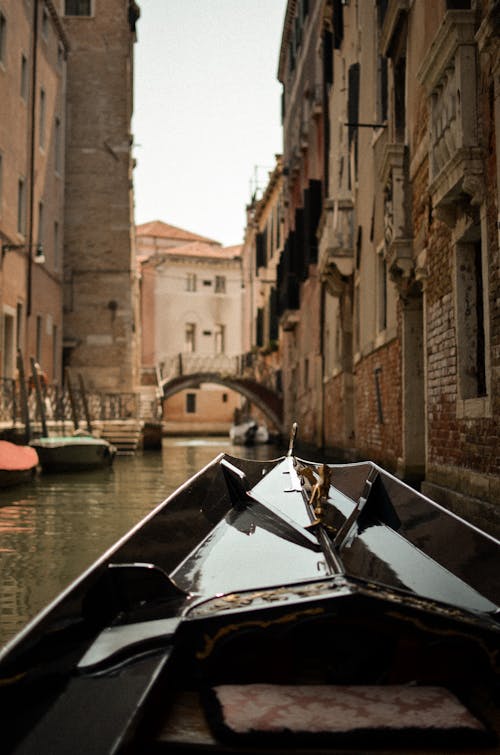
<point x="17" y="463"/>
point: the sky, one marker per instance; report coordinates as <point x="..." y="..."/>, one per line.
<point x="207" y="106"/>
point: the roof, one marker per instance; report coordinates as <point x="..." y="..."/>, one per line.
<point x="166" y="231"/>
<point x="198" y="249"/>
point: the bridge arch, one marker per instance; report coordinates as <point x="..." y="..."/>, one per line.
<point x="268" y="401"/>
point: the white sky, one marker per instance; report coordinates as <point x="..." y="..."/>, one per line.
<point x="206" y="111"/>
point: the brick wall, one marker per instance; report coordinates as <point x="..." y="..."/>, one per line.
<point x="378" y="427"/>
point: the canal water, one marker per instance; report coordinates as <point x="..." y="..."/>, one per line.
<point x="54" y="528"/>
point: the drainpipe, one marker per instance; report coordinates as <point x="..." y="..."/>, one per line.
<point x="32" y="155"/>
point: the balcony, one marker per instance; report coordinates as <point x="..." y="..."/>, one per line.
<point x="455" y="157"/>
<point x="336" y="245"/>
<point x="393" y="174"/>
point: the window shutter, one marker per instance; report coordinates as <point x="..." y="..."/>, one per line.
<point x="338" y="23"/>
<point x="260" y="256"/>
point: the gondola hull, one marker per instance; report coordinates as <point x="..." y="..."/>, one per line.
<point x="261" y="584"/>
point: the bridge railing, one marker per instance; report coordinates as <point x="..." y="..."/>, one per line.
<point x="252" y="365"/>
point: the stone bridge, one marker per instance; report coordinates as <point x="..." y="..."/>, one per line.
<point x="249" y="375"/>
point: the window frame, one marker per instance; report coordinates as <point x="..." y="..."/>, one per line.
<point x="220" y="338"/>
<point x="190" y="406"/>
<point x="42" y="115"/>
<point x="191" y="282"/>
<point x="23" y="84"/>
<point x="190" y="337"/>
<point x="77" y="13"/>
<point x="472" y="402"/>
<point x="21" y="206"/>
<point x="220" y="284"/>
<point x="3" y="39"/>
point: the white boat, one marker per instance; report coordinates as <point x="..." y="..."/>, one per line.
<point x="249" y="433"/>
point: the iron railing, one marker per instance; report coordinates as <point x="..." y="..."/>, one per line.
<point x="62" y="405"/>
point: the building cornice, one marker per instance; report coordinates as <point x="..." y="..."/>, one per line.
<point x="287" y="28"/>
<point x="395" y="11"/>
<point x="457" y="29"/>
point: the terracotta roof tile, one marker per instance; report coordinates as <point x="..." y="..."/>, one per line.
<point x="166" y="231"/>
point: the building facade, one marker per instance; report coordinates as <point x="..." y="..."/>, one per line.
<point x="68" y="284"/>
<point x="389" y="327"/>
<point x="262" y="249"/>
<point x="101" y="305"/>
<point x="191" y="314"/>
<point x="33" y="54"/>
<point x="299" y="286"/>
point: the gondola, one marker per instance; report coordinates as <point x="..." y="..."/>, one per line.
<point x="269" y="606"/>
<point x="248" y="433"/>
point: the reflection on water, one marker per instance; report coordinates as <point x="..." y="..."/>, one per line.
<point x="56" y="527"/>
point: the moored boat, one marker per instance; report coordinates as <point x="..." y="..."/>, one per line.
<point x="78" y="452"/>
<point x="268" y="605"/>
<point x="18" y="463"/>
<point x="248" y="433"/>
<point x="73" y="453"/>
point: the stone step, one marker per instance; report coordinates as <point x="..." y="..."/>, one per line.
<point x="125" y="435"/>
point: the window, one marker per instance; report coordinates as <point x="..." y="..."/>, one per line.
<point x="190" y="337"/>
<point x="45" y="22"/>
<point x="259" y="327"/>
<point x="357" y="314"/>
<point x="40" y="222"/>
<point x="260" y="250"/>
<point x="400" y="99"/>
<point x="382" y="80"/>
<point x="39" y="339"/>
<point x="77" y="8"/>
<point x="19" y="326"/>
<point x="353" y="118"/>
<point x="471" y="319"/>
<point x="57" y="146"/>
<point x="381" y="89"/>
<point x="9" y="359"/>
<point x="190" y="403"/>
<point x="220" y="284"/>
<point x="3" y="39"/>
<point x="220" y="339"/>
<point x="381" y="291"/>
<point x="42" y="118"/>
<point x="21" y="206"/>
<point x="191" y="282"/>
<point x="56" y="246"/>
<point x="55" y="352"/>
<point x="24" y="77"/>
